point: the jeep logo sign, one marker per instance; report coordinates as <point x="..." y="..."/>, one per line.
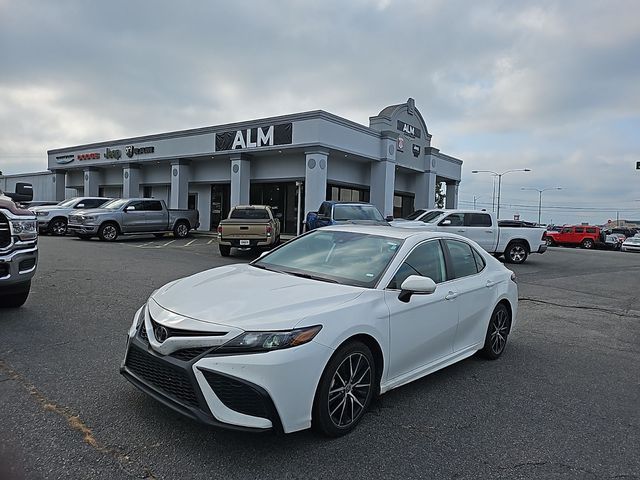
<point x="255" y="137"/>
<point x="112" y="153"/>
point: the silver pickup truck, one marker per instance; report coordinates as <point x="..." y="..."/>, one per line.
<point x="125" y="216"/>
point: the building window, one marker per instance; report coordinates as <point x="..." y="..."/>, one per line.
<point x="347" y="194"/>
<point x="402" y="205"/>
<point x="147" y="192"/>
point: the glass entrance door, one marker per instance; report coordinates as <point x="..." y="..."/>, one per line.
<point x="220" y="200"/>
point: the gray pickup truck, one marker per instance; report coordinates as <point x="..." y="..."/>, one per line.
<point x="125" y="216"/>
<point x="18" y="247"/>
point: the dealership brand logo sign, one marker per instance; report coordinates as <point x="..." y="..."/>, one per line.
<point x="132" y="150"/>
<point x="409" y="130"/>
<point x="64" y="159"/>
<point x="255" y="137"/>
<point x="89" y="156"/>
<point x="416" y="150"/>
<point x="115" y="154"/>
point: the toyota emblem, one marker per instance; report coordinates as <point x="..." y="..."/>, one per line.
<point x="160" y="333"/>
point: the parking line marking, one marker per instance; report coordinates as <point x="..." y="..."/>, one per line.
<point x="143" y="245"/>
<point x="210" y="242"/>
<point x="168" y="243"/>
<point x="189" y="243"/>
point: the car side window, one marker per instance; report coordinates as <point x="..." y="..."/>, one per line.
<point x="457" y="220"/>
<point x="566" y="230"/>
<point x="138" y="206"/>
<point x="591" y="230"/>
<point x="462" y="258"/>
<point x="579" y="230"/>
<point x="477" y="220"/>
<point x="426" y="260"/>
<point x="94" y="203"/>
<point x="480" y="263"/>
<point x="152" y="206"/>
<point x="324" y="210"/>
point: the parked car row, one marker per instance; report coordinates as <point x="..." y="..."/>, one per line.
<point x="589" y="236"/>
<point x="108" y="218"/>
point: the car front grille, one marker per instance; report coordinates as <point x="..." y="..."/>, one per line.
<point x="172" y="381"/>
<point x="238" y="396"/>
<point x="188" y="354"/>
<point x="176" y="332"/>
<point x="5" y="233"/>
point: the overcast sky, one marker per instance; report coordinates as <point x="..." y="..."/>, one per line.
<point x="550" y="86"/>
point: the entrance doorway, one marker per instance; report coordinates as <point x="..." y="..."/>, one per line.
<point x="220" y="200"/>
<point x="283" y="200"/>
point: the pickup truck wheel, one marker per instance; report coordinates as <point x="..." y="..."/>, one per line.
<point x="58" y="226"/>
<point x="587" y="243"/>
<point x="108" y="232"/>
<point x="516" y="253"/>
<point x="16" y="298"/>
<point x="181" y="230"/>
<point x="225" y="250"/>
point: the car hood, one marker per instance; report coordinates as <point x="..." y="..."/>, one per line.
<point x="414" y="224"/>
<point x="94" y="211"/>
<point x="250" y="298"/>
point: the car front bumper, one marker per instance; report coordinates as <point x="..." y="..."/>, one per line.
<point x="18" y="266"/>
<point x="83" y="229"/>
<point x="236" y="243"/>
<point x="542" y="248"/>
<point x="627" y="248"/>
<point x="254" y="391"/>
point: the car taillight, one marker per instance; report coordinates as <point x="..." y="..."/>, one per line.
<point x="220" y="229"/>
<point x="544" y="235"/>
<point x="269" y="229"/>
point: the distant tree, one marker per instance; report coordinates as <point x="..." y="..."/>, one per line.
<point x="440" y="196"/>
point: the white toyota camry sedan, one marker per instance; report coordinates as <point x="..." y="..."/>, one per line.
<point x="310" y="332"/>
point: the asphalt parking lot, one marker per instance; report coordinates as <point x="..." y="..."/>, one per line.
<point x="563" y="401"/>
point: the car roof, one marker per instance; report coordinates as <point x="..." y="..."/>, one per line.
<point x="390" y="231"/>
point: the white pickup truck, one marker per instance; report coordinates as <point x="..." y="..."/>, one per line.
<point x="515" y="243"/>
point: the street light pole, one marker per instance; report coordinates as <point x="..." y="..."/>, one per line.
<point x="499" y="175"/>
<point x="539" y="190"/>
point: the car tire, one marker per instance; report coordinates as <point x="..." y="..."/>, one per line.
<point x="58" y="227"/>
<point x="516" y="252"/>
<point x="181" y="229"/>
<point x="108" y="232"/>
<point x="497" y="333"/>
<point x="550" y="242"/>
<point x="16" y="298"/>
<point x="587" y="243"/>
<point x="225" y="250"/>
<point x="338" y="409"/>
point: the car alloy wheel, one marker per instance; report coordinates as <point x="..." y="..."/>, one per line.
<point x="59" y="227"/>
<point x="499" y="331"/>
<point x="349" y="390"/>
<point x="587" y="244"/>
<point x="109" y="232"/>
<point x="181" y="230"/>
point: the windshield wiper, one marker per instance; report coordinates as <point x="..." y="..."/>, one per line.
<point x="309" y="276"/>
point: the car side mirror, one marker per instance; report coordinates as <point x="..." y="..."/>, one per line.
<point x="389" y="218"/>
<point x="129" y="208"/>
<point x="416" y="284"/>
<point x="445" y="223"/>
<point x="80" y="205"/>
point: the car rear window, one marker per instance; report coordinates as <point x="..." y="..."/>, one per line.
<point x="356" y="212"/>
<point x="250" y="213"/>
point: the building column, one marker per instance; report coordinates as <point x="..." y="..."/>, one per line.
<point x="383" y="175"/>
<point x="315" y="179"/>
<point x="425" y="188"/>
<point x="240" y="179"/>
<point x="131" y="181"/>
<point x="91" y="182"/>
<point x="451" y="200"/>
<point x="60" y="184"/>
<point x="180" y="177"/>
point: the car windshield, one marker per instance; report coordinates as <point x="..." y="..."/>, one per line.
<point x="115" y="204"/>
<point x="349" y="258"/>
<point x="67" y="203"/>
<point x="633" y="240"/>
<point x="415" y="214"/>
<point x="250" y="213"/>
<point x="356" y="212"/>
<point x="431" y="216"/>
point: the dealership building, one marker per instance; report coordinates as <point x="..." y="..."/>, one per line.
<point x="287" y="161"/>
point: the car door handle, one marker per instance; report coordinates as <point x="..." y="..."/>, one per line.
<point x="490" y="283"/>
<point x="488" y="231"/>
<point x="461" y="231"/>
<point x="451" y="295"/>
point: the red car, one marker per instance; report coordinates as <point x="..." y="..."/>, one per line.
<point x="585" y="236"/>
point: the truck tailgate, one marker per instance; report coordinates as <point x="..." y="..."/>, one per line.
<point x="244" y="229"/>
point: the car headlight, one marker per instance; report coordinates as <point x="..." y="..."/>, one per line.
<point x="137" y="320"/>
<point x="87" y="218"/>
<point x="42" y="214"/>
<point x="24" y="229"/>
<point x="268" y="341"/>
